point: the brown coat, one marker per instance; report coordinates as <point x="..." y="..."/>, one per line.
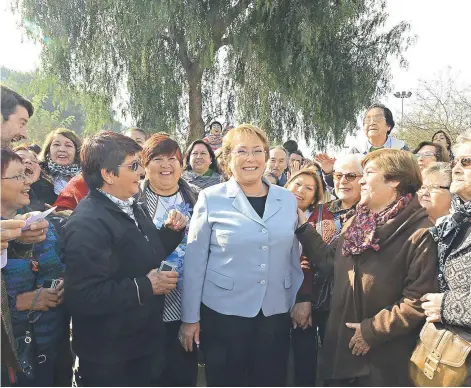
<point x="381" y="290"/>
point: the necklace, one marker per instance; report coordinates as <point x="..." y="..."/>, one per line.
<point x="260" y="193"/>
<point x="167" y="209"/>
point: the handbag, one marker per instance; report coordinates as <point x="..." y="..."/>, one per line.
<point x="322" y="287"/>
<point x="441" y="357"/>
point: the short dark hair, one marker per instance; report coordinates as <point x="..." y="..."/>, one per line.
<point x="160" y="145"/>
<point x="7" y="156"/>
<point x="186" y="159"/>
<point x="447" y="137"/>
<point x="10" y="100"/>
<point x="440" y="152"/>
<point x="388" y="116"/>
<point x="35" y="148"/>
<point x="297" y="152"/>
<point x="106" y="150"/>
<point x="290" y="146"/>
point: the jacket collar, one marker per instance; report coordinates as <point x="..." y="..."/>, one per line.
<point x="242" y="204"/>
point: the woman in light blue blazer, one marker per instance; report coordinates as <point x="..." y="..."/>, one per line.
<point x="243" y="268"/>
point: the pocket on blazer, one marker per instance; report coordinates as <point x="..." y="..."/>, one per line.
<point x="220" y="280"/>
<point x="288" y="281"/>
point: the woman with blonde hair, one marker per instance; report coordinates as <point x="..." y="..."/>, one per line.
<point x="243" y="258"/>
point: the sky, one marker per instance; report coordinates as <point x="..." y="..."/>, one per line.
<point x="442" y="28"/>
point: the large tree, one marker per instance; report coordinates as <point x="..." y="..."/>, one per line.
<point x="292" y="66"/>
<point x="443" y="104"/>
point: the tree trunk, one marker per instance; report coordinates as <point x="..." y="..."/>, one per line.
<point x="195" y="106"/>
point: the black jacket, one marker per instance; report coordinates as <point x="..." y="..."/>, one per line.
<point x="104" y="252"/>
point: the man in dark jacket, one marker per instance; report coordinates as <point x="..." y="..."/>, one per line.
<point x="112" y="288"/>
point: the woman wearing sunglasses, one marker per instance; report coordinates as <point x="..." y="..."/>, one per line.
<point x="427" y="152"/>
<point x="314" y="298"/>
<point x="434" y="195"/>
<point x="452" y="304"/>
<point x="113" y="290"/>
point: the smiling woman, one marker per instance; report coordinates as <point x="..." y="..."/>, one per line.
<point x="60" y="157"/>
<point x="382" y="258"/>
<point x="112" y="248"/>
<point x="161" y="192"/>
<point x="243" y="262"/>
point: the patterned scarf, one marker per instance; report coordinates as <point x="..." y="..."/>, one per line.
<point x="201" y="181"/>
<point x="446" y="231"/>
<point x="361" y="234"/>
<point x="65" y="171"/>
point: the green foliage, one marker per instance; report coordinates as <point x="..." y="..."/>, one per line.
<point x="292" y="66"/>
<point x="56" y="105"/>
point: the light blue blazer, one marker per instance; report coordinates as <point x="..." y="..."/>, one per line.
<point x="237" y="263"/>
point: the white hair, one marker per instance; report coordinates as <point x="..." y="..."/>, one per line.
<point x="354" y="159"/>
<point x="440" y="168"/>
<point x="462" y="139"/>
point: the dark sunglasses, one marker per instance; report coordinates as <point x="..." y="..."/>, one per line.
<point x="465" y="162"/>
<point x="350" y="177"/>
<point x="134" y="166"/>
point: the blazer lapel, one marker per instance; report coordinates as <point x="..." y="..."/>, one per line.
<point x="273" y="204"/>
<point x="241" y="203"/>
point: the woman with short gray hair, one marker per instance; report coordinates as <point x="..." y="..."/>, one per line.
<point x="434" y="195"/>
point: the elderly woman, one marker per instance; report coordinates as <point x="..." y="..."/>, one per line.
<point x="37" y="320"/>
<point x="427" y="152"/>
<point x="60" y="157"/>
<point x="313" y="303"/>
<point x="200" y="165"/>
<point x="164" y="191"/>
<point x="42" y="190"/>
<point x="452" y="305"/>
<point x="434" y="195"/>
<point x="444" y="139"/>
<point x="113" y="289"/>
<point x="243" y="258"/>
<point x="382" y="261"/>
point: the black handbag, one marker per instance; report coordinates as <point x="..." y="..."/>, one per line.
<point x="323" y="285"/>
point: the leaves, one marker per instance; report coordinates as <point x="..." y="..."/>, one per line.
<point x="297" y="67"/>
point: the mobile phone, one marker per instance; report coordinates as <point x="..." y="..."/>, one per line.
<point x="51" y="283"/>
<point x="166" y="266"/>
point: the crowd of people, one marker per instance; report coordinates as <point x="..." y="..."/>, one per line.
<point x="243" y="255"/>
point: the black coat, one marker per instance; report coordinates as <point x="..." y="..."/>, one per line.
<point x="104" y="252"/>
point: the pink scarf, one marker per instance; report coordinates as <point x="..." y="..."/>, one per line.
<point x="361" y="234"/>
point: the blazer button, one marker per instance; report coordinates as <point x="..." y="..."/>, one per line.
<point x="263" y="266"/>
<point x="264" y="248"/>
<point x="264" y="231"/>
<point x="262" y="282"/>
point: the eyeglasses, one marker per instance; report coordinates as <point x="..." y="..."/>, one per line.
<point x="433" y="188"/>
<point x="245" y="154"/>
<point x="465" y="162"/>
<point x="350" y="176"/>
<point x="22" y="177"/>
<point x="374" y="119"/>
<point x="424" y="155"/>
<point x="134" y="166"/>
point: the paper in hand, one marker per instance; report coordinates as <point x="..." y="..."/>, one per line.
<point x="38" y="217"/>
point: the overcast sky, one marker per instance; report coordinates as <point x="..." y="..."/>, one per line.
<point x="443" y="30"/>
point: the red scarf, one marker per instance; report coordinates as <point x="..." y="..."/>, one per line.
<point x="361" y="234"/>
